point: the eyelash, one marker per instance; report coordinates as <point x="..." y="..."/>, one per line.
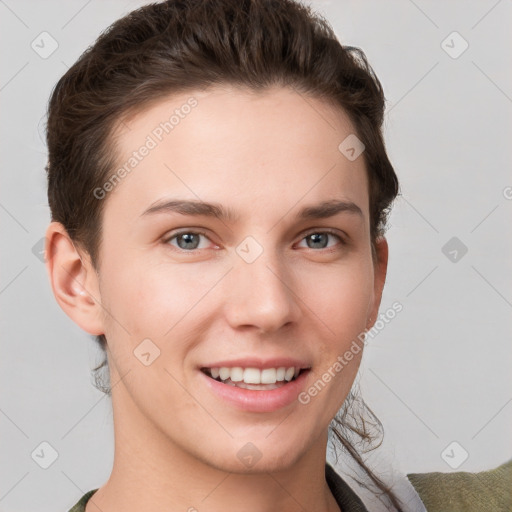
<point x="313" y="232"/>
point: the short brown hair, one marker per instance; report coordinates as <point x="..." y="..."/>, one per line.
<point x="176" y="46"/>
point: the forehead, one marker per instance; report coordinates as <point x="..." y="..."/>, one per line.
<point x="234" y="145"/>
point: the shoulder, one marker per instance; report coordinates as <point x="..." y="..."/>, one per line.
<point x="80" y="504"/>
<point x="464" y="491"/>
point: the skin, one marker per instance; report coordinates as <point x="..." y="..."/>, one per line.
<point x="264" y="155"/>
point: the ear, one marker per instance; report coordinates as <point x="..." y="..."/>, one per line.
<point x="73" y="280"/>
<point x="379" y="278"/>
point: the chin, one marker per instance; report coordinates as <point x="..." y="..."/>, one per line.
<point x="263" y="454"/>
<point x="274" y="463"/>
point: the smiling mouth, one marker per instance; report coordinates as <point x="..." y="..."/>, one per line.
<point x="254" y="378"/>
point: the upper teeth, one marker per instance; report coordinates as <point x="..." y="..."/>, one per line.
<point x="255" y="375"/>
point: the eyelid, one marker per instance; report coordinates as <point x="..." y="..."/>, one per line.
<point x="198" y="231"/>
<point x="342" y="238"/>
<point x="331" y="231"/>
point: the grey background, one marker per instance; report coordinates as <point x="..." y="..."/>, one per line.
<point x="438" y="373"/>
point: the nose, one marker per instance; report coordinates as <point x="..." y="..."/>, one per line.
<point x="261" y="294"/>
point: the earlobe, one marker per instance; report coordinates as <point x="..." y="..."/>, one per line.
<point x="73" y="280"/>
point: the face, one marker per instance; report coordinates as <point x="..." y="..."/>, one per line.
<point x="280" y="282"/>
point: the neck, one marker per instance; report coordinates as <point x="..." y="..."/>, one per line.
<point x="150" y="472"/>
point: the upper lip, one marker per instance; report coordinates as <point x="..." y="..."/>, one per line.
<point x="257" y="362"/>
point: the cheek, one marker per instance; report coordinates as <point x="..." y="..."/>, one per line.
<point x="342" y="305"/>
<point x="148" y="298"/>
<point x="165" y="303"/>
<point x="341" y="298"/>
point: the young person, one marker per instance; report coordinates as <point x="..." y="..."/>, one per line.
<point x="219" y="186"/>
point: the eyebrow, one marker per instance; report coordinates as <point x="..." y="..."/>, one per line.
<point x="321" y="210"/>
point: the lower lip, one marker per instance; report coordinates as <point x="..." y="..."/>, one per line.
<point x="258" y="400"/>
